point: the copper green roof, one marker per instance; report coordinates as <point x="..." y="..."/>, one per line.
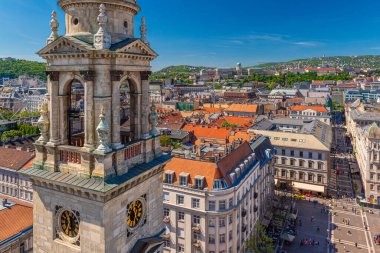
<point x="94" y="184"/>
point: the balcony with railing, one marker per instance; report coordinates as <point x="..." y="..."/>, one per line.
<point x="196" y="244"/>
<point x="196" y="228"/>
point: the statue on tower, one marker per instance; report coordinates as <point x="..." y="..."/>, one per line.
<point x="153" y="117"/>
<point x="143" y="31"/>
<point x="54" y="28"/>
<point x="102" y="39"/>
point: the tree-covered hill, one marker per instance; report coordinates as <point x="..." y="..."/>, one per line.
<point x="14" y="68"/>
<point x="367" y="61"/>
<point x="183" y="69"/>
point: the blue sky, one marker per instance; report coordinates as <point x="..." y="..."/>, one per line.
<point x="219" y="32"/>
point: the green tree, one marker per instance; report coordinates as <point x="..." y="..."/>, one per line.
<point x="260" y="242"/>
<point x="165" y="140"/>
<point x="225" y="124"/>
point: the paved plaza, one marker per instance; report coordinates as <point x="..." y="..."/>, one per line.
<point x="346" y="227"/>
<point x="312" y="217"/>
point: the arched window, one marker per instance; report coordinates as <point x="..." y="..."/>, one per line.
<point x="75" y="133"/>
<point x="125" y="113"/>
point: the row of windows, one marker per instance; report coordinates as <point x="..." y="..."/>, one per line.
<point x="195" y="202"/>
<point x="372" y="187"/>
<point x="184" y="180"/>
<point x="301" y="163"/>
<point x="181" y="248"/>
<point x="372" y="176"/>
<point x="16" y="193"/>
<point x="301" y="154"/>
<point x="301" y="175"/>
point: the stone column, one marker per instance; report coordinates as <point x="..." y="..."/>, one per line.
<point x="145" y="105"/>
<point x="89" y="116"/>
<point x="63" y="123"/>
<point x="115" y="129"/>
<point x="53" y="86"/>
<point x="137" y="116"/>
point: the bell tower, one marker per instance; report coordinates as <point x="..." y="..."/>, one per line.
<point x="97" y="173"/>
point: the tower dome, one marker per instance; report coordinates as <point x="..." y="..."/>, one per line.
<point x="81" y="16"/>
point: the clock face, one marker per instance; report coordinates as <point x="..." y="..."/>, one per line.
<point x="69" y="224"/>
<point x="135" y="213"/>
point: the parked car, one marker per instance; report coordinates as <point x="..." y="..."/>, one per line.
<point x="377" y="239"/>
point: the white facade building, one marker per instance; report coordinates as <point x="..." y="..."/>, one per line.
<point x="213" y="207"/>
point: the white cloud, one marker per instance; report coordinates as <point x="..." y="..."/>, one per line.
<point x="307" y="43"/>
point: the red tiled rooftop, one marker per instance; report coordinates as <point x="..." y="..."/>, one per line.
<point x="14" y="220"/>
<point x="208" y="132"/>
<point x="304" y="107"/>
<point x="209" y="170"/>
<point x="252" y="108"/>
<point x="240" y="121"/>
<point x="14" y="159"/>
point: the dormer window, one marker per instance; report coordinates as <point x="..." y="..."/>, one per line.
<point x="184" y="179"/>
<point x="233" y="177"/>
<point x="169" y="177"/>
<point x="199" y="182"/>
<point x="219" y="184"/>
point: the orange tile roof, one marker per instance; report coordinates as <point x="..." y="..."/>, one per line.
<point x="240" y="121"/>
<point x="241" y="135"/>
<point x="209" y="170"/>
<point x="28" y="165"/>
<point x="208" y="132"/>
<point x="14" y="159"/>
<point x="14" y="220"/>
<point x="195" y="168"/>
<point x="212" y="109"/>
<point x="303" y="107"/>
<point x="243" y="108"/>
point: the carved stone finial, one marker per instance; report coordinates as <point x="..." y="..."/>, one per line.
<point x="143" y="31"/>
<point x="54" y="28"/>
<point x="103" y="130"/>
<point x="153" y="121"/>
<point x="102" y="39"/>
<point x="43" y="123"/>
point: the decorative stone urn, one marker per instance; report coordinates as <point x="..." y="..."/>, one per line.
<point x="43" y="124"/>
<point x="103" y="131"/>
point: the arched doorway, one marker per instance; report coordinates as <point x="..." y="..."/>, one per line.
<point x="75" y="114"/>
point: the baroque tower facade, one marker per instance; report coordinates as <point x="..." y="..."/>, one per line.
<point x="97" y="176"/>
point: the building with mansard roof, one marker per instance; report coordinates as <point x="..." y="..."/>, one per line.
<point x="214" y="205"/>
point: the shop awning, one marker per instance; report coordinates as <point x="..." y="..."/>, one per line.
<point x="287" y="237"/>
<point x="309" y="187"/>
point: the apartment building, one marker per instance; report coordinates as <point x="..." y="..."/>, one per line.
<point x="12" y="184"/>
<point x="310" y="113"/>
<point x="367" y="147"/>
<point x="302" y="160"/>
<point x="214" y="206"/>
